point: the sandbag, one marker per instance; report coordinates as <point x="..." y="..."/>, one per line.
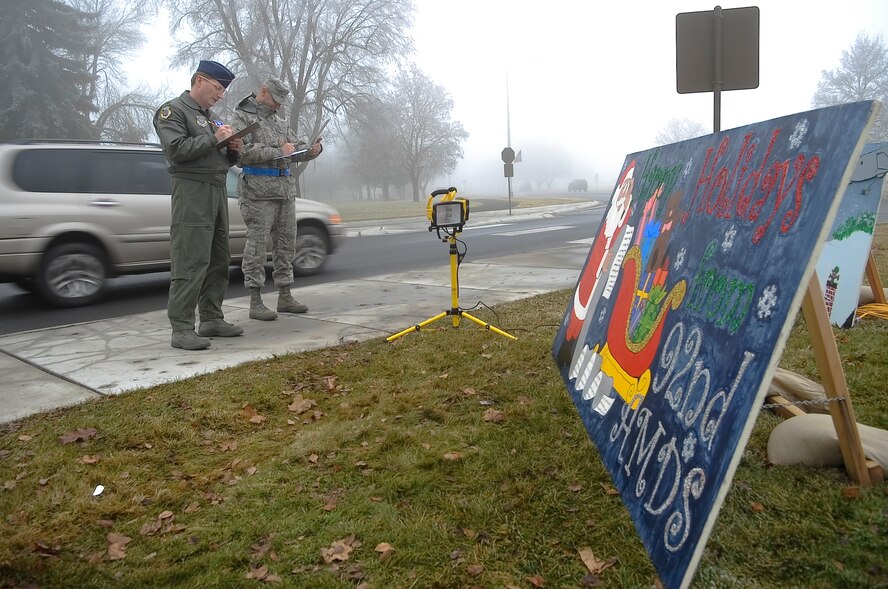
<point x="866" y="295"/>
<point x="812" y="440"/>
<point x="795" y="387"/>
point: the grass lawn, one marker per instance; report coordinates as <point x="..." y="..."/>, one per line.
<point x="447" y="459"/>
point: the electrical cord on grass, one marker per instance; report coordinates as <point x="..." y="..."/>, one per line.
<point x="877" y="310"/>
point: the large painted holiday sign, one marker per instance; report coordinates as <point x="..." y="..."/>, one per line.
<point x="684" y="304"/>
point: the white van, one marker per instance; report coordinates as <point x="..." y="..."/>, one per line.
<point x="73" y="214"/>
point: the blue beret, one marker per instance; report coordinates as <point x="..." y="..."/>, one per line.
<point x="217" y="71"/>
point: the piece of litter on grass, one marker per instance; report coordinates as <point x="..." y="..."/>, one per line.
<point x="98" y="490"/>
<point x="485" y="403"/>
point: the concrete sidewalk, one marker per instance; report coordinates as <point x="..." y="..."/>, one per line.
<point x="56" y="367"/>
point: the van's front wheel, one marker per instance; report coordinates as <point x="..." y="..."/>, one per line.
<point x="72" y="275"/>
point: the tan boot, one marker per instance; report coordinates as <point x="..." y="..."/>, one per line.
<point x="257" y="309"/>
<point x="286" y="302"/>
<point x="188" y="340"/>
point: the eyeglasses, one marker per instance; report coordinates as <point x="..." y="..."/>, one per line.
<point x="219" y="87"/>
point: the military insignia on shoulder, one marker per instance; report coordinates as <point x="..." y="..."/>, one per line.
<point x="165" y="111"/>
<point x="201" y="120"/>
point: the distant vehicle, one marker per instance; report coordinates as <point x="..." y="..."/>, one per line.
<point x="579" y="185"/>
<point x="73" y="214"/>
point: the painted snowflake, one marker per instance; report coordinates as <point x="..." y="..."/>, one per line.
<point x="602" y="315"/>
<point x="728" y="242"/>
<point x="688" y="447"/>
<point x="801" y="129"/>
<point x="680" y="259"/>
<point x="767" y="302"/>
<point x="687" y="168"/>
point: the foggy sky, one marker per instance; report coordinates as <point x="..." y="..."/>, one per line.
<point x="594" y="79"/>
<point x="599" y="78"/>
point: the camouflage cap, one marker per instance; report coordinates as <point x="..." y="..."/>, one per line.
<point x="278" y="89"/>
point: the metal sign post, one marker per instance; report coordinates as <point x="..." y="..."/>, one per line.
<point x="717" y="50"/>
<point x="508" y="156"/>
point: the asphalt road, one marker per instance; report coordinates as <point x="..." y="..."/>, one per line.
<point x="360" y="257"/>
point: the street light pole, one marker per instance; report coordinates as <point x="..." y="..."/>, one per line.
<point x="508" y="137"/>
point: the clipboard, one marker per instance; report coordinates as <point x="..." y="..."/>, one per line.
<point x="245" y="131"/>
<point x="291" y="156"/>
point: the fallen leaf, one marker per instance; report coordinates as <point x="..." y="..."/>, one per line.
<point x="79" y="435"/>
<point x="330" y="382"/>
<point x="576" y="487"/>
<point x="89" y="459"/>
<point x="475" y="569"/>
<point x="44" y="549"/>
<point x="383" y="547"/>
<point x="117" y="545"/>
<point x="851" y="492"/>
<point x="165" y="514"/>
<point x="313" y="458"/>
<point x="494" y="416"/>
<point x="339" y="551"/>
<point x="258" y="573"/>
<point x="757" y="507"/>
<point x="452" y="456"/>
<point x="594" y="565"/>
<point x="251" y="414"/>
<point x="252" y="470"/>
<point x="228" y="446"/>
<point x="151" y="528"/>
<point x="536" y="581"/>
<point x="25" y="438"/>
<point x="301" y="404"/>
<point x="609" y="489"/>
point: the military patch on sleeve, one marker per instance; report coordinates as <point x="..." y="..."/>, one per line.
<point x="165" y="111"/>
<point x="201" y="120"/>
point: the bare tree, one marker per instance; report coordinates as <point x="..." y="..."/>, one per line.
<point x="122" y="114"/>
<point x="372" y="147"/>
<point x="861" y="75"/>
<point x="679" y="130"/>
<point x="543" y="164"/>
<point x="330" y="52"/>
<point x="429" y="142"/>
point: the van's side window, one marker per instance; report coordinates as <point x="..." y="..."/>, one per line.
<point x="49" y="170"/>
<point x="121" y="172"/>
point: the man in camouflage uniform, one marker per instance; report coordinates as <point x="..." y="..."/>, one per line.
<point x="266" y="194"/>
<point x="199" y="258"/>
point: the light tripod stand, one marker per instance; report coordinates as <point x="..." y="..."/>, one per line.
<point x="449" y="216"/>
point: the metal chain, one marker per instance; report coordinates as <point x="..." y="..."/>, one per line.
<point x="826" y="401"/>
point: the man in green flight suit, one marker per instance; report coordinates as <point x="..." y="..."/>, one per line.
<point x="189" y="133"/>
<point x="266" y="194"/>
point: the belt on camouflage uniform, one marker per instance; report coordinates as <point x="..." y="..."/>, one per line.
<point x="265" y="171"/>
